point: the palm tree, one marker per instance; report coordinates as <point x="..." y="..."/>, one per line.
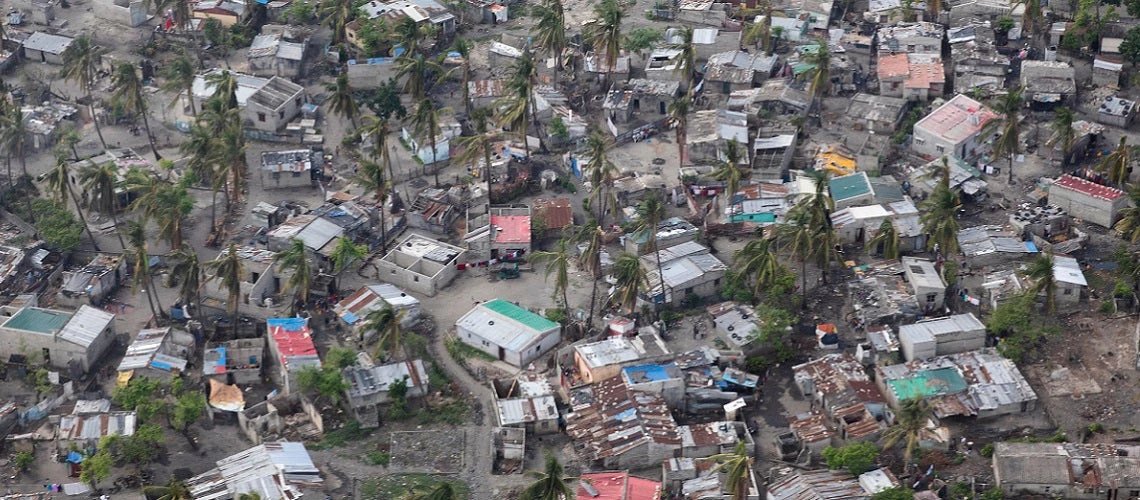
<point x="730" y="173"/>
<point x="1129" y="223"/>
<point x="172" y="206"/>
<point x="225" y="86"/>
<point x="345" y="253"/>
<point x="549" y="484"/>
<point x="341" y="101"/>
<point x="1040" y="272"/>
<point x="888" y="237"/>
<point x="253" y="495"/>
<point x="939" y="219"/>
<point x="463" y="47"/>
<point x="59" y="183"/>
<point x="761" y="31"/>
<point x="934" y="7"/>
<point x="442" y="491"/>
<point x="820" y="58"/>
<point x="512" y="112"/>
<point x="80" y="61"/>
<point x="910" y="421"/>
<point x="371" y="178"/>
<point x="550" y="31"/>
<point x="188" y="272"/>
<point x="227" y="269"/>
<point x="386" y="323"/>
<point x="1031" y="16"/>
<point x="796" y="237"/>
<point x="737" y="467"/>
<point x="179" y="74"/>
<point x="650" y="213"/>
<point x="70" y="137"/>
<point x="128" y="94"/>
<point x="101" y="184"/>
<point x="631" y="281"/>
<point x="14" y="138"/>
<point x="758" y="261"/>
<point x="415" y="70"/>
<point x="230" y="165"/>
<point x="1063" y="133"/>
<point x="411" y="34"/>
<point x="679" y="113"/>
<point x="940" y="171"/>
<point x="601" y="171"/>
<point x="605" y="35"/>
<point x="687" y="57"/>
<point x="591" y="259"/>
<point x="1117" y="163"/>
<point x="295" y="259"/>
<point x="479" y="146"/>
<point x="136" y="234"/>
<point x="336" y="14"/>
<point x="176" y="490"/>
<point x="1008" y="143"/>
<point x="558" y="264"/>
<point x="425" y="122"/>
<point x="524" y="84"/>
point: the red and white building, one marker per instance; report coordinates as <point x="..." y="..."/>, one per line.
<point x="1087" y="200"/>
<point x="954" y="129"/>
<point x="914" y="77"/>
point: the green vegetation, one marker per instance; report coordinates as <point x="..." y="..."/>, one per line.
<point x="857" y="458"/>
<point x="1096" y="428"/>
<point x="142" y="396"/>
<point x="961" y="489"/>
<point x="460" y="351"/>
<point x="988" y="450"/>
<point x="325" y="383"/>
<point x="340" y="357"/>
<point x="23" y="460"/>
<point x="896" y="493"/>
<point x="188" y="408"/>
<point x="907" y="127"/>
<point x="57" y="225"/>
<point x="1019" y="327"/>
<point x="994" y="493"/>
<point x="351" y="432"/>
<point x="139" y="448"/>
<point x="378" y="458"/>
<point x="401" y="486"/>
<point x="96" y="468"/>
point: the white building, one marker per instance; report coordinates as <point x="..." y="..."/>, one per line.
<point x="65" y="340"/>
<point x="508" y="332"/>
<point x="942" y="336"/>
<point x="274" y="471"/>
<point x="420" y="264"/>
<point x="925" y="283"/>
<point x="955" y="128"/>
<point x="355" y="307"/>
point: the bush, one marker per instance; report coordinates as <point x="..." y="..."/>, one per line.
<point x="23" y="460"/>
<point x="994" y="493"/>
<point x="378" y="458"/>
<point x="857" y="458"/>
<point x="1096" y="428"/>
<point x="961" y="489"/>
<point x="1108" y="306"/>
<point x="988" y="450"/>
<point x="556" y="314"/>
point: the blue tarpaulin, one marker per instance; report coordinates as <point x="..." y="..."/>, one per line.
<point x="74" y="457"/>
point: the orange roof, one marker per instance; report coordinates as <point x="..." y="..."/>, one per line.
<point x="922" y="75"/>
<point x="893" y="66"/>
<point x="556" y="213"/>
<point x="511" y="228"/>
<point x="617" y="485"/>
<point x="1089" y="188"/>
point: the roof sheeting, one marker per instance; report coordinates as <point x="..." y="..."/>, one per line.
<point x="1068" y="270"/>
<point x="86" y="325"/>
<point x="95" y="427"/>
<point x="258" y="470"/>
<point x="505" y="324"/>
<point x="319" y="233"/>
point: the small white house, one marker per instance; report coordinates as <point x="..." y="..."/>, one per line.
<point x="942" y="336"/>
<point x="925" y="282"/>
<point x="1070" y="281"/>
<point x="508" y="332"/>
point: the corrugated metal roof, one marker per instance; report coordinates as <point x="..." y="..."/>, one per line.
<point x="505" y="326"/>
<point x="143" y="349"/>
<point x="258" y="470"/>
<point x="319" y="233"/>
<point x="373" y="297"/>
<point x="929" y="330"/>
<point x="1068" y="270"/>
<point x="94" y="427"/>
<point x="817" y="485"/>
<point x="86" y="325"/>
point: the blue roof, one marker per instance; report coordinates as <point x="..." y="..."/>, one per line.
<point x="288" y="324"/>
<point x="647" y="373"/>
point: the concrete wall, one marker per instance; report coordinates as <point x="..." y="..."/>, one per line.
<point x="38" y="56"/>
<point x="129" y="12"/>
<point x="274" y="119"/>
<point x="1081" y="206"/>
<point x="927" y="143"/>
<point x="362" y="76"/>
<point x="288" y="180"/>
<point x="671" y="389"/>
<point x="61" y="352"/>
<point x="706" y="285"/>
<point x="419" y="277"/>
<point x="535" y="348"/>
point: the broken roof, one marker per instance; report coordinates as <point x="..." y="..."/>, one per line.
<point x="95" y="427"/>
<point x="612" y="420"/>
<point x="1048" y="77"/>
<point x="841" y="379"/>
<point x="274" y="471"/>
<point x="737" y="66"/>
<point x="370" y="298"/>
<point x="276" y="93"/>
<point x="876" y="107"/>
<point x="959" y="384"/>
<point x="982" y="240"/>
<point x="816" y="485"/>
<point x="294" y="342"/>
<point x="1067" y="464"/>
<point x="363" y="382"/>
<point x="957" y="120"/>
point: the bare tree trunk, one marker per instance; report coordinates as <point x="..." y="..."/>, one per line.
<point x="82" y="217"/>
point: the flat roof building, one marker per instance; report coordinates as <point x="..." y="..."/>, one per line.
<point x="420" y="264"/>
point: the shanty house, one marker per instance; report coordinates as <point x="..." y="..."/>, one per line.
<point x="368" y="387"/>
<point x="272" y="471"/>
<point x="84" y="430"/>
<point x="1048" y="83"/>
<point x="272" y="55"/>
<point x="1116" y="111"/>
<point x="292" y="350"/>
<point x="72" y="341"/>
<point x="839" y="384"/>
<point x="353" y="309"/>
<point x="851" y="190"/>
<point x="737" y="70"/>
<point x="154" y="355"/>
<point x="618" y="428"/>
<point x="914" y="77"/>
<point x="1067" y="470"/>
<point x="508" y="332"/>
<point x="290" y="169"/>
<point x="976" y="383"/>
<point x="527" y="402"/>
<point x="687" y="270"/>
<point x="1070" y="280"/>
<point x="46" y="48"/>
<point x="942" y="336"/>
<point x="670" y="232"/>
<point x="92" y="283"/>
<point x="1087" y="200"/>
<point x="877" y="113"/>
<point x="925" y="283"/>
<point x="955" y="128"/>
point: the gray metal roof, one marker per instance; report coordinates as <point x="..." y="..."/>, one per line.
<point x="1068" y="270"/>
<point x="931" y="329"/>
<point x="500" y="330"/>
<point x="368" y="381"/>
<point x="44" y="42"/>
<point x="86" y="325"/>
<point x="143" y="349"/>
<point x="94" y="427"/>
<point x="258" y="470"/>
<point x="319" y="233"/>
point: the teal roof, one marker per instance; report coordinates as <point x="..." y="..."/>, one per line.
<point x="849" y="186"/>
<point x="521" y="315"/>
<point x="38" y="320"/>
<point x="760" y="217"/>
<point x="929" y="383"/>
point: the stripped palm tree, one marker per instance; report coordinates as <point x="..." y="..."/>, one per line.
<point x="650" y="213"/>
<point x="1041" y="272"/>
<point x="136" y="235"/>
<point x="59" y="181"/>
<point x="1118" y="163"/>
<point x="1063" y="134"/>
<point x="1129" y="224"/>
<point x="679" y="113"/>
<point x="910" y="421"/>
<point x="295" y="259"/>
<point x="758" y="261"/>
<point x="730" y="173"/>
<point x="1008" y="142"/>
<point x="591" y="259"/>
<point x="227" y="269"/>
<point x="187" y="270"/>
<point x="602" y="173"/>
<point x="558" y="264"/>
<point x="80" y="64"/>
<point x="341" y="101"/>
<point x="550" y="483"/>
<point x="687" y="58"/>
<point x="128" y="94"/>
<point x="371" y="178"/>
<point x="101" y="185"/>
<point x="479" y="146"/>
<point x="180" y="74"/>
<point x="605" y="34"/>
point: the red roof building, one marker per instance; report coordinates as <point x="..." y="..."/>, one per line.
<point x="291" y="344"/>
<point x="616" y="485"/>
<point x="511" y="228"/>
<point x="911" y="76"/>
<point x="1087" y="200"/>
<point x="955" y="128"/>
<point x="555" y="214"/>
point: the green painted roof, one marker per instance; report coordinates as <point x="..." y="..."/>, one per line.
<point x="757" y="217"/>
<point x="38" y="320"/>
<point x="849" y="186"/>
<point x="929" y="383"/>
<point x="521" y="315"/>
